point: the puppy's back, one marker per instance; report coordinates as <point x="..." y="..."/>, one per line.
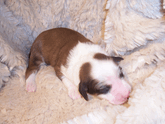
<point x="55" y="44"/>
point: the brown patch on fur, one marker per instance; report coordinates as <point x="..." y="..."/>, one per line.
<point x="53" y="47"/>
<point x="85" y="72"/>
<point x="88" y="84"/>
<point x="101" y="56"/>
<point x="84" y="76"/>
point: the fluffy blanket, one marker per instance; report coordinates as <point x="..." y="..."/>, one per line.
<point x="134" y="29"/>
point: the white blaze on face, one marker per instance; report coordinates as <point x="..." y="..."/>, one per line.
<point x="102" y="69"/>
<point x="107" y="72"/>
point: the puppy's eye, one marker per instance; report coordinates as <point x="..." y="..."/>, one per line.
<point x="121" y="75"/>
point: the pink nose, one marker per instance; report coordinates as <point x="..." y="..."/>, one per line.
<point x="121" y="98"/>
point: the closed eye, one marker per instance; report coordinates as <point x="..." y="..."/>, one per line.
<point x="121" y="75"/>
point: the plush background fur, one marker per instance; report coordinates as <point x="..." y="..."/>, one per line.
<point x="133" y="28"/>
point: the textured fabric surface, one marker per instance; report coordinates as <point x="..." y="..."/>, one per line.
<point x="131" y="24"/>
<point x="133" y="28"/>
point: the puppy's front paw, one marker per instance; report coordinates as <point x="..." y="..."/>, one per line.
<point x="73" y="92"/>
<point x="31" y="86"/>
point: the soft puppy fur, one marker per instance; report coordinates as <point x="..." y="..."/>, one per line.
<point x="82" y="66"/>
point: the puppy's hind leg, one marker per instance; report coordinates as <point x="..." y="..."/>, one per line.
<point x="30" y="82"/>
<point x="33" y="67"/>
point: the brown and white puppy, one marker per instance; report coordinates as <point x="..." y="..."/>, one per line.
<point x="82" y="66"/>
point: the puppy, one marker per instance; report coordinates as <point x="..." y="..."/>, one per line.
<point x="82" y="66"/>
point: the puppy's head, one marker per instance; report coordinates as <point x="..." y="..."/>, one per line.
<point x="103" y="77"/>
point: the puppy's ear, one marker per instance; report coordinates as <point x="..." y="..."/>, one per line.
<point x="104" y="89"/>
<point x="117" y="59"/>
<point x="96" y="88"/>
<point x="84" y="78"/>
<point x="100" y="56"/>
<point x="93" y="88"/>
<point x="83" y="90"/>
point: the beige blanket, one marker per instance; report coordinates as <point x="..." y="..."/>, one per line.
<point x="134" y="29"/>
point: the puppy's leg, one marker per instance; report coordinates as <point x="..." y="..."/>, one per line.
<point x="72" y="89"/>
<point x="34" y="65"/>
<point x="30" y="82"/>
